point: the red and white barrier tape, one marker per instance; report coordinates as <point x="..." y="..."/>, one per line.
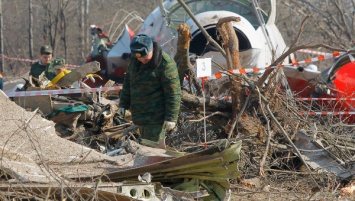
<point x="63" y="91"/>
<point x="31" y="60"/>
<point x="236" y="71"/>
<point x="313" y="52"/>
<point x="320" y="58"/>
<point x="259" y="70"/>
<point x="18" y="59"/>
<point x="323" y="113"/>
<point x="326" y="99"/>
<point x="326" y="113"/>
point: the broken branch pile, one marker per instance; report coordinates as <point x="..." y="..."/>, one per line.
<point x="279" y="141"/>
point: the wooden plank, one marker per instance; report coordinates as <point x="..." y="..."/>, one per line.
<point x="44" y="103"/>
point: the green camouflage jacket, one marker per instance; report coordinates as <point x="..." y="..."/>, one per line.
<point x="37" y="69"/>
<point x="152" y="91"/>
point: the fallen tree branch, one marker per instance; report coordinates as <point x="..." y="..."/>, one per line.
<point x="213" y="114"/>
<point x="234" y="123"/>
<point x="266" y="102"/>
<point x="286" y="136"/>
<point x="263" y="159"/>
<point x="196" y="101"/>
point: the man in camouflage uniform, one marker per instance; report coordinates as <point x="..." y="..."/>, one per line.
<point x="42" y="65"/>
<point x="151" y="89"/>
<point x="59" y="66"/>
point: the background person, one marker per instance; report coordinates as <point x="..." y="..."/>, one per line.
<point x="151" y="89"/>
<point x="42" y="65"/>
<point x="60" y="68"/>
<point x="99" y="49"/>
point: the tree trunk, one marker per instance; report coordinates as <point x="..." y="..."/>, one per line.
<point x="81" y="25"/>
<point x="1" y="41"/>
<point x="182" y="57"/>
<point x="30" y="29"/>
<point x="63" y="26"/>
<point x="231" y="46"/>
<point x="86" y="26"/>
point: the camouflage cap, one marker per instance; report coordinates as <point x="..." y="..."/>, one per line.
<point x="141" y="45"/>
<point x="46" y="49"/>
<point x="58" y="63"/>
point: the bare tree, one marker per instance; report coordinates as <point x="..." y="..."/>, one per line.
<point x="1" y="40"/>
<point x="30" y="28"/>
<point x="331" y="21"/>
<point x="64" y="25"/>
<point x="82" y="26"/>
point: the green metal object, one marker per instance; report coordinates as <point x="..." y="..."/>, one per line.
<point x="209" y="170"/>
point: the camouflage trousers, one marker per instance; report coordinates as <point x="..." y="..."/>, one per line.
<point x="152" y="132"/>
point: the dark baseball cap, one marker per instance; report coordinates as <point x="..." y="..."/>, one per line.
<point x="46" y="49"/>
<point x="58" y="62"/>
<point x="141" y="45"/>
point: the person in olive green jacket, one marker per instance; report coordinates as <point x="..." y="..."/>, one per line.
<point x="151" y="89"/>
<point x="43" y="64"/>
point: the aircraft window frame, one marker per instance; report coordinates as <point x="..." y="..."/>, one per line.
<point x="250" y="15"/>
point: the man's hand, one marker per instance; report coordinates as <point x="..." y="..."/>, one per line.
<point x="169" y="125"/>
<point x="122" y="111"/>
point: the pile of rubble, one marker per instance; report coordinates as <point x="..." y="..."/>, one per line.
<point x="85" y="150"/>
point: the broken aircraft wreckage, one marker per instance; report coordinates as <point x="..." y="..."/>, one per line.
<point x="49" y="164"/>
<point x="33" y="155"/>
<point x="259" y="43"/>
<point x="38" y="161"/>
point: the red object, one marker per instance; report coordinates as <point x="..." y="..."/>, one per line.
<point x="130" y="31"/>
<point x="340" y="81"/>
<point x="203" y="83"/>
<point x="344" y="82"/>
<point x="89" y="59"/>
<point x="301" y="87"/>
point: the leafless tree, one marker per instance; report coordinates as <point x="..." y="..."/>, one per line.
<point x="63" y="25"/>
<point x="331" y="21"/>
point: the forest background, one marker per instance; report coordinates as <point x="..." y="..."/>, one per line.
<point x="65" y="25"/>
